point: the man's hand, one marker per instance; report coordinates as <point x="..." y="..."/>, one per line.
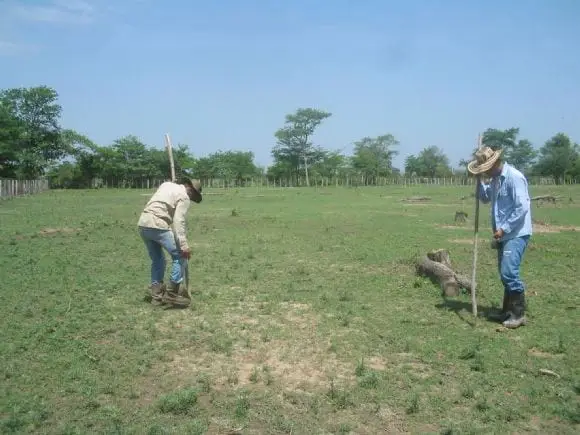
<point x="186" y="253"/>
<point x="498" y="234"/>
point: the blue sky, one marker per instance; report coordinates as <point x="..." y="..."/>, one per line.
<point x="223" y="74"/>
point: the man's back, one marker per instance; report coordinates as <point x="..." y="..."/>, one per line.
<point x="160" y="209"/>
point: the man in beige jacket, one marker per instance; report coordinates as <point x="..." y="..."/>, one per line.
<point x="167" y="208"/>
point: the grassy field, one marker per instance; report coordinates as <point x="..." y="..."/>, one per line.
<point x="307" y="318"/>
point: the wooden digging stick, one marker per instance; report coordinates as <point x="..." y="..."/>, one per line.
<point x="184" y="264"/>
<point x="475" y="239"/>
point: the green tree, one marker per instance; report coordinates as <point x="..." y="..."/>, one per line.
<point x="373" y="157"/>
<point x="33" y="117"/>
<point x="233" y="165"/>
<point x="558" y="158"/>
<point x="522" y="155"/>
<point x="332" y="164"/>
<point x="430" y="162"/>
<point x="10" y="133"/>
<point x="500" y="139"/>
<point x="294" y="144"/>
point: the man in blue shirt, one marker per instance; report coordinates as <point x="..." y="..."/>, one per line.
<point x="511" y="222"/>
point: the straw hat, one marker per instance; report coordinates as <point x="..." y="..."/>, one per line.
<point x="196" y="186"/>
<point x="485" y="158"/>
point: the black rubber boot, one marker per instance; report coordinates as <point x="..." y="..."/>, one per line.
<point x="517" y="316"/>
<point x="504" y="314"/>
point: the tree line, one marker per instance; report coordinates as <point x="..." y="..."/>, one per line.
<point x="33" y="144"/>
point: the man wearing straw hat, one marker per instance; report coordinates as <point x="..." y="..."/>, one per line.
<point x="168" y="208"/>
<point x="511" y="222"/>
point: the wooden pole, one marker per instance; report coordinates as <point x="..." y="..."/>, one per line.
<point x="475" y="239"/>
<point x="170" y="153"/>
<point x="184" y="262"/>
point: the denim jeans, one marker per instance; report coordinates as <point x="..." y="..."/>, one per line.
<point x="156" y="240"/>
<point x="509" y="257"/>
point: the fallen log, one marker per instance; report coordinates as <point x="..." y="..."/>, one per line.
<point x="417" y="199"/>
<point x="436" y="266"/>
<point x="549" y="198"/>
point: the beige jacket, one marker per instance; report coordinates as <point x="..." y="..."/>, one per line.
<point x="168" y="206"/>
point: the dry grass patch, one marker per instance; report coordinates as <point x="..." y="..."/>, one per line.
<point x="543" y="227"/>
<point x="52" y="231"/>
<point x="462" y="241"/>
<point x="296" y="359"/>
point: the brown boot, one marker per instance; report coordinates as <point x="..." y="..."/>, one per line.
<point x="504" y="313"/>
<point x="155" y="294"/>
<point x="174" y="297"/>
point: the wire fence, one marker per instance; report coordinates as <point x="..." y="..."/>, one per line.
<point x="12" y="188"/>
<point x="265" y="182"/>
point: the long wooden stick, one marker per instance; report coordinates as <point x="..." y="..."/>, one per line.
<point x="475" y="239"/>
<point x="184" y="262"/>
<point x="170" y="152"/>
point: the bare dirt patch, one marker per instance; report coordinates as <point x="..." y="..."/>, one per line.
<point x="540" y="353"/>
<point x="462" y="241"/>
<point x="298" y="361"/>
<point x="455" y="227"/>
<point x="543" y="227"/>
<point x="52" y="231"/>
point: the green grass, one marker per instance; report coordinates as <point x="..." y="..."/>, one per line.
<point x="307" y="317"/>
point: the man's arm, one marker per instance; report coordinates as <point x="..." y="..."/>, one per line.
<point x="179" y="223"/>
<point x="519" y="193"/>
<point x="484" y="192"/>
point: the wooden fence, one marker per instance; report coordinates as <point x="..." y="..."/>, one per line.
<point x="12" y="188"/>
<point x="147" y="183"/>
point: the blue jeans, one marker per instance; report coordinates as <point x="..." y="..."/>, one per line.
<point x="156" y="240"/>
<point x="509" y="257"/>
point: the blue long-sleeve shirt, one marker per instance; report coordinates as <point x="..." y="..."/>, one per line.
<point x="510" y="203"/>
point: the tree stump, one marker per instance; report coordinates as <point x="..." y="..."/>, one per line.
<point x="460" y="216"/>
<point x="436" y="266"/>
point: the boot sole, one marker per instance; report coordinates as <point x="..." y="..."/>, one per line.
<point x="521" y="322"/>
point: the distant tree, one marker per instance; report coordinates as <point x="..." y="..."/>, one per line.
<point x="330" y="165"/>
<point x="33" y="117"/>
<point x="558" y="158"/>
<point x="233" y="165"/>
<point x="294" y="144"/>
<point x="500" y="139"/>
<point x="520" y="153"/>
<point x="430" y="162"/>
<point x="373" y="157"/>
<point x="10" y="133"/>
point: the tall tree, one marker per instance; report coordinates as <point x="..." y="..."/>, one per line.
<point x="558" y="158"/>
<point x="519" y="153"/>
<point x="373" y="157"/>
<point x="294" y="144"/>
<point x="331" y="164"/>
<point x="430" y="162"/>
<point x="233" y="165"/>
<point x="500" y="139"/>
<point x="36" y="113"/>
<point x="522" y="155"/>
<point x="10" y="133"/>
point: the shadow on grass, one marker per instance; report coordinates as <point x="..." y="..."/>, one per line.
<point x="463" y="310"/>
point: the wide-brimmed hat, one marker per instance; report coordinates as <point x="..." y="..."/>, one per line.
<point x="485" y="158"/>
<point x="196" y="186"/>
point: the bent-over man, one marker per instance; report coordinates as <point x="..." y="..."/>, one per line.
<point x="167" y="208"/>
